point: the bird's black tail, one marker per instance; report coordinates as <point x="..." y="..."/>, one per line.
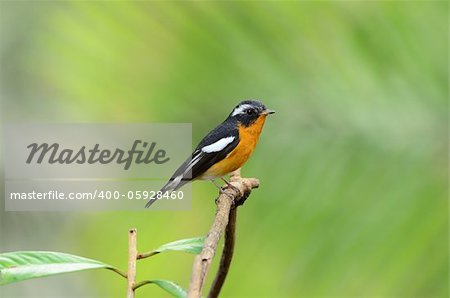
<point x="172" y="184"/>
<point x="153" y="199"/>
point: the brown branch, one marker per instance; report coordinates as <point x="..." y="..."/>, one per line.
<point x="227" y="255"/>
<point x="132" y="257"/>
<point x="226" y="200"/>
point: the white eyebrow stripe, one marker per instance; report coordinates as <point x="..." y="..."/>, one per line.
<point x="219" y="145"/>
<point x="240" y="109"/>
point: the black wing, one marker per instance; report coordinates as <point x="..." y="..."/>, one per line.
<point x="207" y="160"/>
<point x="200" y="161"/>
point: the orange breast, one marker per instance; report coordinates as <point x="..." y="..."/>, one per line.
<point x="235" y="159"/>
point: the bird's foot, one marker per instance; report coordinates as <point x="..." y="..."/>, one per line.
<point x="224" y="192"/>
<point x="237" y="190"/>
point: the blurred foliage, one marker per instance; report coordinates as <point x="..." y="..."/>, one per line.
<point x="353" y="167"/>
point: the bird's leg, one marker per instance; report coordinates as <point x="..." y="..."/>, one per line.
<point x="221" y="190"/>
<point x="231" y="186"/>
<point x="215" y="184"/>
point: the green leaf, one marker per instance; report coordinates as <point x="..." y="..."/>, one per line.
<point x="191" y="245"/>
<point x="22" y="265"/>
<point x="171" y="287"/>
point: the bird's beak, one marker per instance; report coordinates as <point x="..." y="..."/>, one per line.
<point x="267" y="112"/>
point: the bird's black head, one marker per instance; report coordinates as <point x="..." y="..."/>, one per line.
<point x="248" y="111"/>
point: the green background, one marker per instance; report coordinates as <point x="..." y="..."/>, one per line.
<point x="353" y="167"/>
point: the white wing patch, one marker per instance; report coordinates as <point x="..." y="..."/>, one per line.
<point x="219" y="145"/>
<point x="240" y="109"/>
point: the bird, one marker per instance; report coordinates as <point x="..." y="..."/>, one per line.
<point x="224" y="149"/>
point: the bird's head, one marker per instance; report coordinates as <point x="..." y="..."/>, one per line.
<point x="248" y="111"/>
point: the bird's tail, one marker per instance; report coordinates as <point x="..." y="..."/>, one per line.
<point x="172" y="184"/>
<point x="153" y="199"/>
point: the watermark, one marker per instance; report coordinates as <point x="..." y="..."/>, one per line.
<point x="52" y="154"/>
<point x="94" y="167"/>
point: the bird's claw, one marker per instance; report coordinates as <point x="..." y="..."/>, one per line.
<point x="234" y="188"/>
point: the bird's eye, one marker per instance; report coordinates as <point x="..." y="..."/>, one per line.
<point x="250" y="111"/>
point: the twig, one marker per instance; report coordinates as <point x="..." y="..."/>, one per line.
<point x="227" y="255"/>
<point x="202" y="262"/>
<point x="132" y="257"/>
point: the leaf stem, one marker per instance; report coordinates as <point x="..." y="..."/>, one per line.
<point x="146" y="254"/>
<point x="142" y="283"/>
<point x="123" y="274"/>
